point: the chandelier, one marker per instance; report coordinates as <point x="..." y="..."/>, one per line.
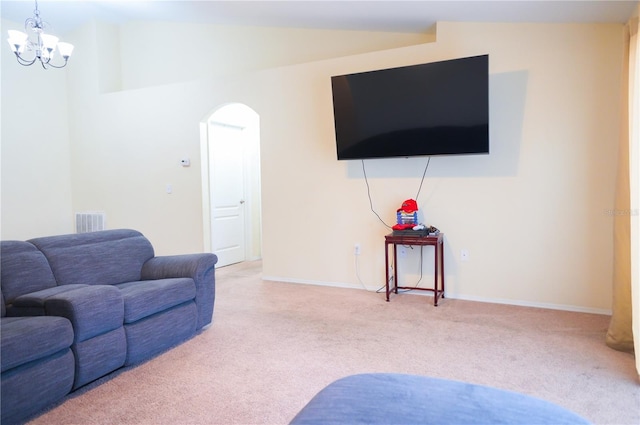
<point x="42" y="46"/>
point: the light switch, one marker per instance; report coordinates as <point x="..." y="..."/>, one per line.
<point x="169" y="188"/>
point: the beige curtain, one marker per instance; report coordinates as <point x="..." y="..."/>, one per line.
<point x="634" y="174"/>
<point x="625" y="321"/>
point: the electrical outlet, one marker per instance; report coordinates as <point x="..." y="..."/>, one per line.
<point x="356" y="249"/>
<point x="464" y="255"/>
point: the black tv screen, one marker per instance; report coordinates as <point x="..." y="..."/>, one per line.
<point x="438" y="108"/>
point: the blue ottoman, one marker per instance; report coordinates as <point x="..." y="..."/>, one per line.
<point x="387" y="398"/>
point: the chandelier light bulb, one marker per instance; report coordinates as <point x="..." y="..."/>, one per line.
<point x="65" y="49"/>
<point x="17" y="40"/>
<point x="49" y="41"/>
<point x="18" y="36"/>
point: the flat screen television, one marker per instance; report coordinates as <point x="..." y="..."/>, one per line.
<point x="438" y="108"/>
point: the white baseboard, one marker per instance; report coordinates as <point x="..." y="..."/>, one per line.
<point x="313" y="282"/>
<point x="563" y="307"/>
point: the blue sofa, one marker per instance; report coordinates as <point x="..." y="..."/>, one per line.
<point x="77" y="307"/>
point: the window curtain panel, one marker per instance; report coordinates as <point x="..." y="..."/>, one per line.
<point x="625" y="320"/>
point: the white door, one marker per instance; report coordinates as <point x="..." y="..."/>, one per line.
<point x="226" y="175"/>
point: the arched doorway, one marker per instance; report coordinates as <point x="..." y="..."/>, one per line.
<point x="230" y="145"/>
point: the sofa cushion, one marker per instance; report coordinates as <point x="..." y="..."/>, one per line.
<point x="25" y="339"/>
<point x="96" y="258"/>
<point x="154" y="334"/>
<point x="147" y="297"/>
<point x="23" y="269"/>
<point x="32" y="304"/>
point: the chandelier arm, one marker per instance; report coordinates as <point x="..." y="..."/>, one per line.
<point x="29" y="24"/>
<point x="55" y="66"/>
<point x="25" y="62"/>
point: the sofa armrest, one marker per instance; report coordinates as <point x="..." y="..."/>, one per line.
<point x="199" y="267"/>
<point x="32" y="304"/>
<point x="92" y="310"/>
<point x="196" y="266"/>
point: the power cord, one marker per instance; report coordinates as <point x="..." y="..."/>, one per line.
<point x="360" y="279"/>
<point x="364" y="171"/>
<point x="422" y="181"/>
<point x="391" y="274"/>
<point x="391" y="277"/>
<point x="366" y="180"/>
<point x="421" y="273"/>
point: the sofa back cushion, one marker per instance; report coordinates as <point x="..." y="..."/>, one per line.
<point x="106" y="257"/>
<point x="23" y="269"/>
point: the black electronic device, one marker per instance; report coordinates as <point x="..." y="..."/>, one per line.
<point x="438" y="108"/>
<point x="417" y="231"/>
<point x="432" y="230"/>
<point x="411" y="233"/>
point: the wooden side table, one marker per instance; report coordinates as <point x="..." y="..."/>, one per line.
<point x="437" y="241"/>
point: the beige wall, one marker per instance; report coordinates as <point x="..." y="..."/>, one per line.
<point x="531" y="214"/>
<point x="128" y="138"/>
<point x="35" y="178"/>
<point x="178" y="52"/>
<point x="37" y="130"/>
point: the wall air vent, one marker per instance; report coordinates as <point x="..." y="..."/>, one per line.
<point x="89" y="221"/>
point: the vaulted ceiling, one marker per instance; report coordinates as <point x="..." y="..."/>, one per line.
<point x="398" y="16"/>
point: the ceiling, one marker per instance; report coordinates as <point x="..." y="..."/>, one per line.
<point x="395" y="16"/>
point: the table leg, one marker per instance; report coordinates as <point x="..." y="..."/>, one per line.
<point x="395" y="268"/>
<point x="386" y="265"/>
<point x="442" y="265"/>
<point x="435" y="275"/>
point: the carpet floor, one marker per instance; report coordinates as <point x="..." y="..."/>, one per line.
<point x="274" y="345"/>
